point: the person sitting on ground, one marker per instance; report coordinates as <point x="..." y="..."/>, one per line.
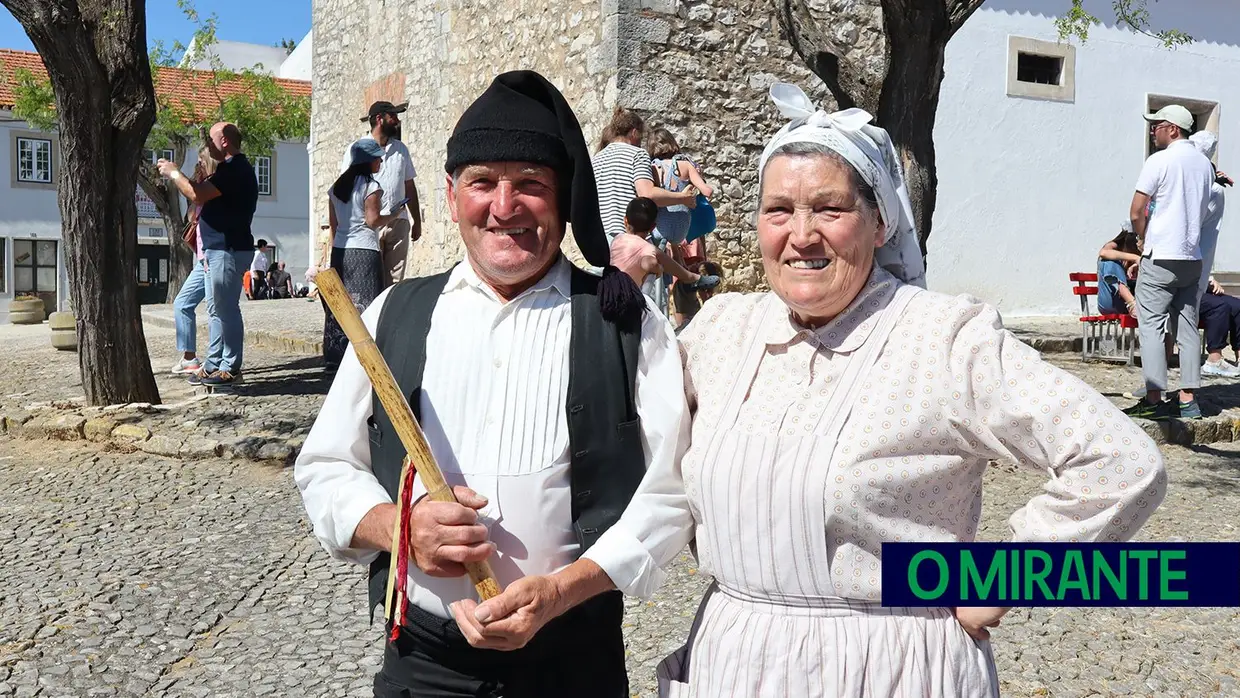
<point x="1117" y="266"/>
<point x="1220" y="315"/>
<point x="279" y="282"/>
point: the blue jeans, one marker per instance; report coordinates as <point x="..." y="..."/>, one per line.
<point x="193" y="291"/>
<point x="224" y="277"/>
<point x="1110" y="275"/>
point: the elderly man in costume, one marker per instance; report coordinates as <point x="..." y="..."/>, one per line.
<point x="845" y="408"/>
<point x="545" y="394"/>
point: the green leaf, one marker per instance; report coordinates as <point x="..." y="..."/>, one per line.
<point x="1134" y="14"/>
<point x="34" y="100"/>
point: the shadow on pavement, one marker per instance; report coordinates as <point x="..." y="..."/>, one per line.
<point x="1223" y="470"/>
<point x="302" y="376"/>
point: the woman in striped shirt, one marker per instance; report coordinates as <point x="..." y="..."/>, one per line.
<point x="622" y="170"/>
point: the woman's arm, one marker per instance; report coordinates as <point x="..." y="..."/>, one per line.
<point x="1110" y="251"/>
<point x="696" y="179"/>
<point x="1106" y="475"/>
<point x="662" y="197"/>
<point x="374" y="219"/>
<point x="325" y="255"/>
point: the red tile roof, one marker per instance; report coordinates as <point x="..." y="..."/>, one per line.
<point x="174" y="84"/>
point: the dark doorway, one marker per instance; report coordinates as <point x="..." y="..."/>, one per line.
<point x="152" y="274"/>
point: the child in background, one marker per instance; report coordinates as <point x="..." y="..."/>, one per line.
<point x="633" y="253"/>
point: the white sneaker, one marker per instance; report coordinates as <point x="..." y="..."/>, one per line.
<point x="186" y="366"/>
<point x="1221" y="369"/>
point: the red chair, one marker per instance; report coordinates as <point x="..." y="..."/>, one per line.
<point x="1103" y="337"/>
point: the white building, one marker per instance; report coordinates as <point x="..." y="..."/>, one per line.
<point x="31" y="250"/>
<point x="1040" y="143"/>
<point x="237" y="55"/>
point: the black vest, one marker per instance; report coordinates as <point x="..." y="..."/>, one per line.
<point x="605" y="445"/>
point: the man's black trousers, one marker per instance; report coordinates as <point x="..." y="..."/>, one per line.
<point x="579" y="654"/>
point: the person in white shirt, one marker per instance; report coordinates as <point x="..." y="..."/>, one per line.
<point x="396" y="179"/>
<point x="545" y="394"/>
<point x="258" y="271"/>
<point x="1175" y="184"/>
<point x="1216" y="310"/>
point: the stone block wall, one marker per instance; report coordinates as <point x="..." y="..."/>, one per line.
<point x="701" y="69"/>
<point x="439" y="55"/>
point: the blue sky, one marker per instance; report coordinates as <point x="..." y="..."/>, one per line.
<point x="252" y="21"/>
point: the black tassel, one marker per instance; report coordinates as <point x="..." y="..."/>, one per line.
<point x="620" y="300"/>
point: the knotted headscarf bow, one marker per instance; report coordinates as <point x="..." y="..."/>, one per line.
<point x="868" y="149"/>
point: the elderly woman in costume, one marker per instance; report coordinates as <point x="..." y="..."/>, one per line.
<point x="845" y="408"/>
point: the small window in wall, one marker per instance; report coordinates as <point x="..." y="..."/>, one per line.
<point x="1205" y="116"/>
<point x="34" y="160"/>
<point x="1041" y="69"/>
<point x="154" y="156"/>
<point x="4" y="265"/>
<point x="262" y="170"/>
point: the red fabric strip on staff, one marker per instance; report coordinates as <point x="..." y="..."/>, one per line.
<point x="402" y="554"/>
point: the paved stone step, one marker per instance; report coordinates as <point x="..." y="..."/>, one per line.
<point x="1229" y="280"/>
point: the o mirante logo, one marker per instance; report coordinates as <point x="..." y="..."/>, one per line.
<point x="1061" y="574"/>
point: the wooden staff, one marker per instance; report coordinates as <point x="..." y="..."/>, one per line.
<point x="397" y="408"/>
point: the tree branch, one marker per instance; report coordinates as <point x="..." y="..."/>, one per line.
<point x="846" y="79"/>
<point x="961" y="10"/>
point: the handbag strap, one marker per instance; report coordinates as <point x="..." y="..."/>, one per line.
<point x="697" y="623"/>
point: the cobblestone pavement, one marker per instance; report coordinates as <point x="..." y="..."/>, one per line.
<point x="272" y="409"/>
<point x="134" y="575"/>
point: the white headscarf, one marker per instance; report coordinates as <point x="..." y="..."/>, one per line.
<point x="869" y="150"/>
<point x="1205" y="142"/>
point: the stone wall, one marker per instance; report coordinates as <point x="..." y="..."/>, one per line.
<point x="439" y="55"/>
<point x="702" y="69"/>
<point x="705" y="69"/>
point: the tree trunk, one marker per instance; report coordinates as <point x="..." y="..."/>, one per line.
<point x="167" y="201"/>
<point x="917" y="34"/>
<point x="95" y="53"/>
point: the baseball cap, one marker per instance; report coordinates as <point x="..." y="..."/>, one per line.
<point x="1173" y="113"/>
<point x="382" y="107"/>
<point x="365" y="150"/>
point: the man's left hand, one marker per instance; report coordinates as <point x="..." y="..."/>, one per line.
<point x="510" y="620"/>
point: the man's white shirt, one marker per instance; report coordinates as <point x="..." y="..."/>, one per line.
<point x="1177" y="179"/>
<point x="493" y="410"/>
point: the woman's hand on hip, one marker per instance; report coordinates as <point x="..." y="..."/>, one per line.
<point x="975" y="619"/>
